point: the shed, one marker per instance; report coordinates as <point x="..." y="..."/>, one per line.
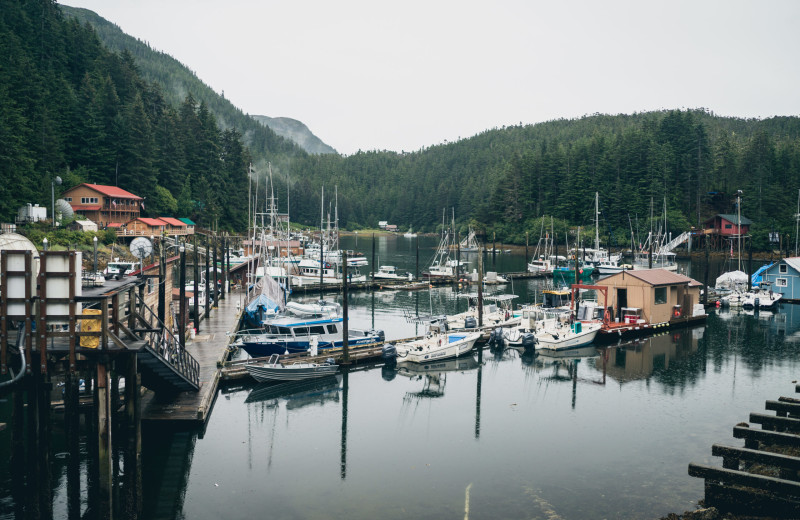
<point x="784" y="278"/>
<point x="727" y="224"/>
<point x="653" y="295"/>
<point x="83" y="225"/>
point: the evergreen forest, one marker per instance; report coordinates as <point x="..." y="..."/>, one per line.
<point x="83" y="101"/>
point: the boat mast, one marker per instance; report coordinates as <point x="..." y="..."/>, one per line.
<point x="739" y="226"/>
<point x="321" y="227"/>
<point x="596" y="222"/>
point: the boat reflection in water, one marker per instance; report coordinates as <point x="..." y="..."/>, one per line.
<point x="298" y="394"/>
<point x="434" y="375"/>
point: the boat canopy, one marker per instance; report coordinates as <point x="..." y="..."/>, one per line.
<point x="732" y="280"/>
<point x="758" y="276"/>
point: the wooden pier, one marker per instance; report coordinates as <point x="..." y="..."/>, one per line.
<point x="210" y="348"/>
<point x="763" y="477"/>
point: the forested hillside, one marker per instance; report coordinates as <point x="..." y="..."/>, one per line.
<point x="73" y="108"/>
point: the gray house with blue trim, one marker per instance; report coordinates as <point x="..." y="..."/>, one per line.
<point x="784" y="278"/>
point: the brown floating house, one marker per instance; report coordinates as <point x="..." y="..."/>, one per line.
<point x="639" y="301"/>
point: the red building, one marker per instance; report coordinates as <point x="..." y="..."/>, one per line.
<point x="726" y="225"/>
<point x="103" y="205"/>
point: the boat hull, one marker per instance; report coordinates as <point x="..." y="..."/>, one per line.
<point x="566" y="340"/>
<point x="297" y="372"/>
<point x="436" y="347"/>
<point x="262" y="347"/>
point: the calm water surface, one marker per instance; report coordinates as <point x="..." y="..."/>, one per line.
<point x="608" y="433"/>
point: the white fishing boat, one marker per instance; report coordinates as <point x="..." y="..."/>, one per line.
<point x="558" y="336"/>
<point x="275" y="370"/>
<point x="762" y="297"/>
<point x="469" y="244"/>
<point x="410" y="234"/>
<point x="389" y="272"/>
<point x="497" y="313"/>
<point x="437" y="344"/>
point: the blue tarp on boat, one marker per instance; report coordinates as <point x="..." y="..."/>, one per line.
<point x="757" y="277"/>
<point x="258" y="309"/>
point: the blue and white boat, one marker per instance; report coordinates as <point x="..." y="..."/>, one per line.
<point x="294" y="334"/>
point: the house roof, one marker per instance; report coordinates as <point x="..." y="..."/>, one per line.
<point x="658" y="277"/>
<point x="732" y="219"/>
<point x="793" y="262"/>
<point x="152" y="221"/>
<point x="112" y="191"/>
<point x="83" y="207"/>
<point x="114" y="224"/>
<point x="173" y="221"/>
<point x="187" y="221"/>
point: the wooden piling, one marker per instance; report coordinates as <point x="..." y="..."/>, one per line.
<point x="104" y="458"/>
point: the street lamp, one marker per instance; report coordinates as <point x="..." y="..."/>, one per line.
<point x="55" y="181"/>
<point x="44" y="243"/>
<point x="95" y="253"/>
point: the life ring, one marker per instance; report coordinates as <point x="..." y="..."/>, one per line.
<point x="676" y="313"/>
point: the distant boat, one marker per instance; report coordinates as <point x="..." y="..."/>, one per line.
<point x="389" y="272"/>
<point x="410" y="233"/>
<point x="274" y="370"/>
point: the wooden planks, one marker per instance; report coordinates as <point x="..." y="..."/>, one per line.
<point x="195" y="407"/>
<point x="763" y="478"/>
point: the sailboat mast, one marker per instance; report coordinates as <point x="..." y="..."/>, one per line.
<point x="739" y="226"/>
<point x="596" y="221"/>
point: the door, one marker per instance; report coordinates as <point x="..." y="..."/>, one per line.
<point x="622" y="301"/>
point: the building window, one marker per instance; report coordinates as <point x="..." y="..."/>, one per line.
<point x="151" y="285"/>
<point x="781" y="282"/>
<point x="783" y="268"/>
<point x="89" y="200"/>
<point x="728" y="226"/>
<point x="68" y="199"/>
<point x="660" y="295"/>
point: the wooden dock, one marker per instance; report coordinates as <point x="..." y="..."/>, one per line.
<point x="763" y="477"/>
<point x="210" y="348"/>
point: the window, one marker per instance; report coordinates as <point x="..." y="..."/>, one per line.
<point x="728" y="226"/>
<point x="151" y="285"/>
<point x="331" y="329"/>
<point x="783" y="268"/>
<point x="660" y="295"/>
<point x="68" y="199"/>
<point x="781" y="282"/>
<point x="318" y="329"/>
<point x="88" y="200"/>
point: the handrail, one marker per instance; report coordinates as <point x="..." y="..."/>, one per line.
<point x="166" y="346"/>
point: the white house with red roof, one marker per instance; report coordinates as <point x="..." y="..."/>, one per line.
<point x="104" y="205"/>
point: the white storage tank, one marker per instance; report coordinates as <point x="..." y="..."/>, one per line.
<point x="16" y="262"/>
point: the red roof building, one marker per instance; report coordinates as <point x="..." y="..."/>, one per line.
<point x="103" y="205"/>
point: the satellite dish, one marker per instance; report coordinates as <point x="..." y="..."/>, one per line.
<point x="141" y="247"/>
<point x="64" y="208"/>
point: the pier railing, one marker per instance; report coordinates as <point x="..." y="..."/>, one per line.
<point x="166" y="346"/>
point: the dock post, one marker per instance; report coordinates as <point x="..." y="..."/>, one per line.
<point x="526" y="248"/>
<point x="162" y="282"/>
<point x="480" y="287"/>
<point x="749" y="267"/>
<point x="345" y="331"/>
<point x="373" y="259"/>
<point x="182" y="296"/>
<point x="208" y="280"/>
<point x="196" y="299"/>
<point x="133" y="453"/>
<point x="104" y="458"/>
<point x="72" y="428"/>
<point x="216" y="272"/>
<point x="705" y="275"/>
<point x="43" y="436"/>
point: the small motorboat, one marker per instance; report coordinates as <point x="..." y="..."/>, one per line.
<point x="436" y="345"/>
<point x="275" y="370"/>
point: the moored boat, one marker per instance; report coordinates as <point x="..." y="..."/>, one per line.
<point x="436" y="345"/>
<point x="275" y="370"/>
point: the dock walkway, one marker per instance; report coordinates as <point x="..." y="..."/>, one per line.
<point x="210" y="349"/>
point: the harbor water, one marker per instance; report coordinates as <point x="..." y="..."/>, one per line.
<point x="604" y="433"/>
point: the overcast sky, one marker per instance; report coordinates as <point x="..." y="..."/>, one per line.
<point x="378" y="75"/>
